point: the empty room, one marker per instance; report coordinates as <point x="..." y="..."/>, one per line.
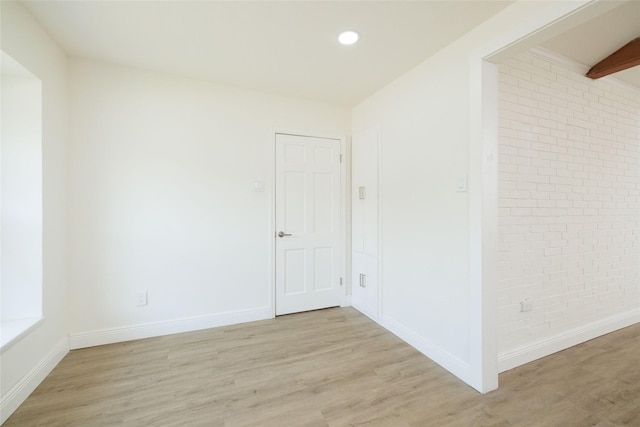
<point x="320" y="213"/>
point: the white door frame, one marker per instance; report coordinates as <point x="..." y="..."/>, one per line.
<point x="343" y="208"/>
<point x="483" y="211"/>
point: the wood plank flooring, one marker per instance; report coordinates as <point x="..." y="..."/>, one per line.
<point x="326" y="368"/>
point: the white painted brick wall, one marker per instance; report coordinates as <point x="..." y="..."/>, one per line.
<point x="569" y="200"/>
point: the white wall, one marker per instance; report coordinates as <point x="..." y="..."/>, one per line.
<point x="21" y="151"/>
<point x="432" y="291"/>
<point x="425" y="223"/>
<point x="569" y="197"/>
<point x="424" y="220"/>
<point x="25" y="363"/>
<point x="160" y="197"/>
<point x="161" y="200"/>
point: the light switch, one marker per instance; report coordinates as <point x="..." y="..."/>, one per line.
<point x="257" y="184"/>
<point x="141" y="298"/>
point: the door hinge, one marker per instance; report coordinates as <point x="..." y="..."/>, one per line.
<point x="340" y="158"/>
<point x="362" y="193"/>
<point x="341" y="281"/>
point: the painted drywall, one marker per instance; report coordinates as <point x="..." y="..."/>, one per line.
<point x="21" y="148"/>
<point x="433" y="293"/>
<point x="162" y="201"/>
<point x="28" y="361"/>
<point x="569" y="165"/>
<point x="424" y="152"/>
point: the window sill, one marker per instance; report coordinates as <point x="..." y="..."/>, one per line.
<point x="13" y="331"/>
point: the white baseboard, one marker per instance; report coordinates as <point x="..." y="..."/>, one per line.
<point x="537" y="350"/>
<point x="371" y="315"/>
<point x="442" y="357"/>
<point x="27" y="384"/>
<point x="156" y="329"/>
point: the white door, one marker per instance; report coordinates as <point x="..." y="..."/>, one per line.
<point x="308" y="228"/>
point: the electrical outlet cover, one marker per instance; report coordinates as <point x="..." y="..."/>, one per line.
<point x="526" y="305"/>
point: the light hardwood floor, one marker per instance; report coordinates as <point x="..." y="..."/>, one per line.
<point x="326" y="368"/>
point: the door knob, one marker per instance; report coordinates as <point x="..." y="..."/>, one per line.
<point x="283" y="234"/>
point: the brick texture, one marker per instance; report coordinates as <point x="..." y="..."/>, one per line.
<point x="569" y="200"/>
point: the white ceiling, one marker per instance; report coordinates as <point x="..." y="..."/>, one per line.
<point x="290" y="47"/>
<point x="285" y="47"/>
<point x="596" y="39"/>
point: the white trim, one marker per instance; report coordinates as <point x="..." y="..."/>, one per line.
<point x="380" y="222"/>
<point x="348" y="222"/>
<point x="155" y="329"/>
<point x="488" y="229"/>
<point x="532" y="32"/>
<point x="14" y="330"/>
<point x="559" y="17"/>
<point x="529" y="353"/>
<point x="380" y="312"/>
<point x="272" y="221"/>
<point x="373" y="318"/>
<point x="299" y="132"/>
<point x="556" y="58"/>
<point x="370" y="314"/>
<point x="17" y="394"/>
<point x="439" y="355"/>
<point x="578" y="67"/>
<point x="343" y="216"/>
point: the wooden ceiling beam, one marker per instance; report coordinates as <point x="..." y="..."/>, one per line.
<point x="626" y="57"/>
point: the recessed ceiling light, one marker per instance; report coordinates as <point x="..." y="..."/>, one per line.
<point x="348" y="37"/>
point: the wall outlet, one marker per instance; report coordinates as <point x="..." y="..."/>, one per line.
<point x="461" y="184"/>
<point x="141" y="298"/>
<point x="526" y="305"/>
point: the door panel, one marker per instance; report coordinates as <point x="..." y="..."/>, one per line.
<point x="365" y="284"/>
<point x="308" y="216"/>
<point x="364" y="226"/>
<point x="323" y="185"/>
<point x="294" y="207"/>
<point x="294" y="271"/>
<point x="322" y="268"/>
